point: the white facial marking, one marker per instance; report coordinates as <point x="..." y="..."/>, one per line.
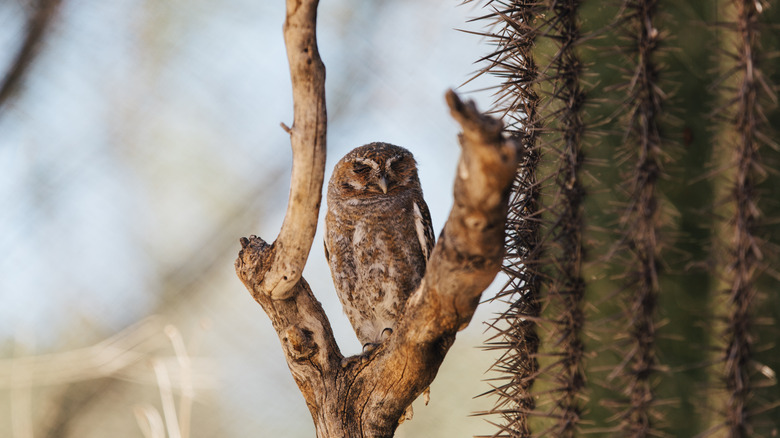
<point x="391" y="160"/>
<point x="367" y="162"/>
<point x="356" y="185"/>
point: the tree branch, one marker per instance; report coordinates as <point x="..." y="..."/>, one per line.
<point x="365" y="396"/>
<point x="307" y="137"/>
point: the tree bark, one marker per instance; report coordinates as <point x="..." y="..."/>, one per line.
<point x="307" y="137"/>
<point x="365" y="396"/>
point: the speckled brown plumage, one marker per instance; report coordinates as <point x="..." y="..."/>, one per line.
<point x="378" y="236"/>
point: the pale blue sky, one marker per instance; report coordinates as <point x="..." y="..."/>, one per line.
<point x="144" y="123"/>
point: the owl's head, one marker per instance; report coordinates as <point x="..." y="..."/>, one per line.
<point x="375" y="169"/>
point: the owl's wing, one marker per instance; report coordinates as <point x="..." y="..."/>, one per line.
<point x="424" y="227"/>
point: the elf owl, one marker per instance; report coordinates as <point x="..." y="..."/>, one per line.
<point x="378" y="236"/>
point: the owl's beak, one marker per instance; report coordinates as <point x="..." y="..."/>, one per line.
<point x="382" y="183"/>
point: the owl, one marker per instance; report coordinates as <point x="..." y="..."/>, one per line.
<point x="378" y="236"/>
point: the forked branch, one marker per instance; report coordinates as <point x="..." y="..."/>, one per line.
<point x="366" y="395"/>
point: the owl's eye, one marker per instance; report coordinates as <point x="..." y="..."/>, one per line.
<point x="396" y="165"/>
<point x="360" y="169"/>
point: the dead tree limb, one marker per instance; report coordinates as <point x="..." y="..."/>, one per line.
<point x="307" y="136"/>
<point x="365" y="396"/>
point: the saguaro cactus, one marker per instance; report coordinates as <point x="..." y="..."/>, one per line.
<point x="614" y="258"/>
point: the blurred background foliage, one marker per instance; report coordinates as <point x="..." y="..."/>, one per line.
<point x="139" y="145"/>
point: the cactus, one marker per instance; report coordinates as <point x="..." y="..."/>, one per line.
<point x="620" y="258"/>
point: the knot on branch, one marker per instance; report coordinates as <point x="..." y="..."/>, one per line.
<point x="299" y="343"/>
<point x="476" y="221"/>
<point x="253" y="262"/>
<point x="489" y="161"/>
<point x="477" y="127"/>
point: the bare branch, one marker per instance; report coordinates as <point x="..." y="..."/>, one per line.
<point x="307" y="136"/>
<point x="301" y="323"/>
<point x="366" y="395"/>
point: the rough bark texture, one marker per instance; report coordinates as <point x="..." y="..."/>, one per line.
<point x="365" y="396"/>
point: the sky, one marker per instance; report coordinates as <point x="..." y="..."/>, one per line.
<point x="146" y="140"/>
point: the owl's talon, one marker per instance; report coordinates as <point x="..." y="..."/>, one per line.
<point x="368" y="348"/>
<point x="386" y="334"/>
